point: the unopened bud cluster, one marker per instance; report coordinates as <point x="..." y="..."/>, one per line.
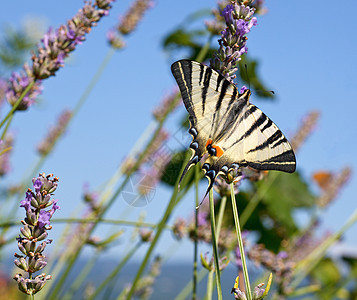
<point x="39" y="207"/>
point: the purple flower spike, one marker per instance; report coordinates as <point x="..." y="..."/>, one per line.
<point x="55" y="46"/>
<point x="35" y="230"/>
<point x="238" y="22"/>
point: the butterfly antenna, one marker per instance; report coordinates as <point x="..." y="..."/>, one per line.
<point x="246" y="73"/>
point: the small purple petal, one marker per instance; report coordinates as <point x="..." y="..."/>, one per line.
<point x="37" y="185"/>
<point x="26" y="203"/>
<point x="282" y="255"/>
<point x="44" y="218"/>
<point x="202" y="219"/>
<point x="54" y="207"/>
<point x="227" y="14"/>
<point x="243" y="89"/>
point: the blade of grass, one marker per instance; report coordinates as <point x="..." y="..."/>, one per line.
<point x="214" y="245"/>
<point x="240" y="244"/>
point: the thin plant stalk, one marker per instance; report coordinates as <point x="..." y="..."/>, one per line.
<point x="195" y="243"/>
<point x="185" y="292"/>
<point x="210" y="285"/>
<point x="218" y="230"/>
<point x="81" y="277"/>
<point x="222" y="208"/>
<point x="214" y="245"/>
<point x="311" y="261"/>
<point x="161" y="225"/>
<point x="7" y="127"/>
<point x="117" y="269"/>
<point x="109" y="203"/>
<point x="254" y="201"/>
<point x="240" y="244"/>
<point x="15" y="106"/>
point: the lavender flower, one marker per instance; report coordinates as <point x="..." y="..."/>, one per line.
<point x="36" y="225"/>
<point x="5" y="150"/>
<point x="54" y="133"/>
<point x="333" y="186"/>
<point x="136" y="12"/>
<point x="3" y="88"/>
<point x="128" y="23"/>
<point x="179" y="228"/>
<point x="144" y="288"/>
<point x="151" y="178"/>
<point x="155" y="146"/>
<point x="54" y="48"/>
<point x="308" y="124"/>
<point x="258" y="293"/>
<point x="238" y="20"/>
<point x="168" y="104"/>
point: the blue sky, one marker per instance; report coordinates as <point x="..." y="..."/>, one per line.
<point x="307" y="55"/>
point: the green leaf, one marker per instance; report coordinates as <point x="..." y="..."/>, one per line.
<point x="327" y="273"/>
<point x="173" y="168"/>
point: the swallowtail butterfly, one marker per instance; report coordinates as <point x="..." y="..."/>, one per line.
<point x="225" y="125"/>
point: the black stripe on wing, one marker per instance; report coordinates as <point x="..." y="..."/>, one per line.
<point x="285" y="162"/>
<point x="206" y="83"/>
<point x="222" y="94"/>
<point x="255" y="126"/>
<point x="182" y="71"/>
<point x="270" y="141"/>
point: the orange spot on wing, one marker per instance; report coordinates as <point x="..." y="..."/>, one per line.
<point x="209" y="142"/>
<point x="219" y="151"/>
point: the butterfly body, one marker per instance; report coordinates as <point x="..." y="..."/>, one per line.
<point x="226" y="126"/>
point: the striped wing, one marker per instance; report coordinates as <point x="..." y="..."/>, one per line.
<point x="223" y="120"/>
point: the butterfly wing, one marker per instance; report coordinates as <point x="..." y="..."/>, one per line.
<point x="218" y="113"/>
<point x="207" y="96"/>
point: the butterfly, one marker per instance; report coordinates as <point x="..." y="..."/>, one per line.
<point x="223" y="124"/>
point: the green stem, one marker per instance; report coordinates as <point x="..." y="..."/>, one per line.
<point x="73" y="258"/>
<point x="222" y="208"/>
<point x="92" y="220"/>
<point x="7" y="127"/>
<point x="17" y="103"/>
<point x="214" y="245"/>
<point x="81" y="277"/>
<point x="160" y="228"/>
<point x="195" y="245"/>
<point x="173" y="202"/>
<point x="240" y="244"/>
<point x="94" y="80"/>
<point x="209" y="285"/>
<point x="254" y="201"/>
<point x="114" y="273"/>
<point x="188" y="288"/>
<point x="304" y="267"/>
